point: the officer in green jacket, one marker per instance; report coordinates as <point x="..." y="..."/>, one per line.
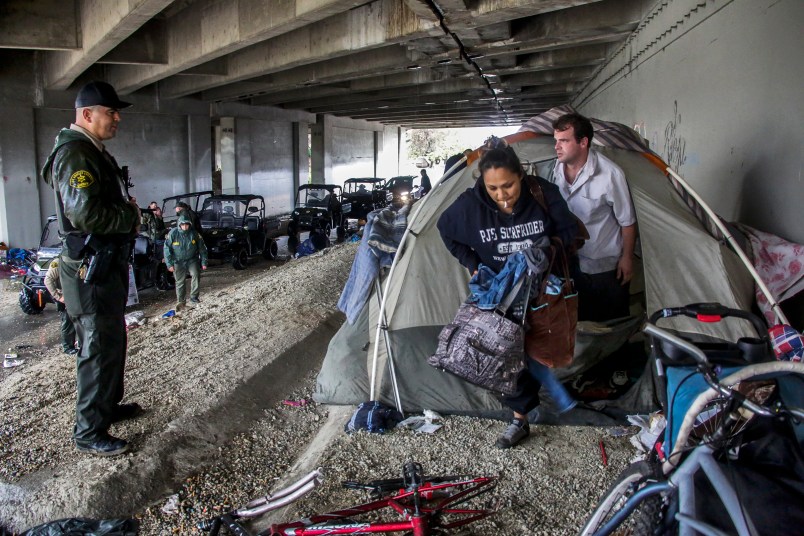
<point x="98" y="222"/>
<point x="185" y="252"/>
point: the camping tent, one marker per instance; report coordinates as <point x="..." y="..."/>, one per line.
<point x="682" y="264"/>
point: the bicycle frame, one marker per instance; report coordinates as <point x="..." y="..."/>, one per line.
<point x="422" y="510"/>
<point x="424" y="504"/>
<point x="683" y="468"/>
<point x="681" y="483"/>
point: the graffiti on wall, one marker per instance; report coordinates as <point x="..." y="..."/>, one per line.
<point x="675" y="145"/>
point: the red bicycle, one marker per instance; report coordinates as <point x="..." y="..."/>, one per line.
<point x="424" y="506"/>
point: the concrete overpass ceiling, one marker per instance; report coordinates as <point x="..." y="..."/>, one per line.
<point x="416" y="63"/>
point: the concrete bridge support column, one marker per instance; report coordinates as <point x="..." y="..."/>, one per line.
<point x="20" y="212"/>
<point x="321" y="146"/>
<point x="228" y="158"/>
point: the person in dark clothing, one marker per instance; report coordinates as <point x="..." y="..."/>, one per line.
<point x="53" y="284"/>
<point x="485" y="224"/>
<point x="158" y="224"/>
<point x="426" y="185"/>
<point x="454" y="159"/>
<point x="184" y="208"/>
<point x="98" y="221"/>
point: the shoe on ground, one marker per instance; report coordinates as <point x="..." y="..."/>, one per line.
<point x="180" y="306"/>
<point x="195" y="300"/>
<point x="71" y="351"/>
<point x="104" y="446"/>
<point x="516" y="432"/>
<point x="124" y="412"/>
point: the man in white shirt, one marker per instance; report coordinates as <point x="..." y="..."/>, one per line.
<point x="595" y="190"/>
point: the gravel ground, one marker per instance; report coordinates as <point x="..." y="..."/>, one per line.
<point x="217" y="430"/>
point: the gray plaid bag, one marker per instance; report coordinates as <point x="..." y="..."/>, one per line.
<point x="483" y="347"/>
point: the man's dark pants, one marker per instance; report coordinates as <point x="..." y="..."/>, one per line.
<point x="601" y="297"/>
<point x="67" y="328"/>
<point x="97" y="310"/>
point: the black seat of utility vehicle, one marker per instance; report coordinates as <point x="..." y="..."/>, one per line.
<point x="252" y="223"/>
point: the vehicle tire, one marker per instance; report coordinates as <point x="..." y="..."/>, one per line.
<point x="340" y="233"/>
<point x="327" y="229"/>
<point x="164" y="278"/>
<point x="271" y="249"/>
<point x="240" y="259"/>
<point x="29" y="303"/>
<point x="292" y="229"/>
<point x="630" y="480"/>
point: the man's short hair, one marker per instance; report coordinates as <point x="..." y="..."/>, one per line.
<point x="582" y="127"/>
<point x="182" y="204"/>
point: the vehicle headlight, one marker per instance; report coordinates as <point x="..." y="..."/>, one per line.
<point x="230" y="236"/>
<point x="295" y="213"/>
<point x="319" y="214"/>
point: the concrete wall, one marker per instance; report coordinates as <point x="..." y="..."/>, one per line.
<point x="352" y="154"/>
<point x="154" y="147"/>
<point x="168" y="147"/>
<point x="343" y="148"/>
<point x="715" y="87"/>
<point x="267" y="147"/>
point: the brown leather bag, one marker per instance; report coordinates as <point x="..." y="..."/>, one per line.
<point x="552" y="317"/>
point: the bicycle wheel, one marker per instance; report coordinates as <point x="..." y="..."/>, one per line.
<point x="706" y="412"/>
<point x="712" y="415"/>
<point x="631" y="480"/>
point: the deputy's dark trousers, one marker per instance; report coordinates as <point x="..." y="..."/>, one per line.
<point x="67" y="328"/>
<point x="98" y="313"/>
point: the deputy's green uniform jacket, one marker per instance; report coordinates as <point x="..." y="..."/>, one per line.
<point x="181" y="247"/>
<point x="90" y="199"/>
<point x="91" y="187"/>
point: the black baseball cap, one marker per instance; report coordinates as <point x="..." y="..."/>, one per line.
<point x="99" y="94"/>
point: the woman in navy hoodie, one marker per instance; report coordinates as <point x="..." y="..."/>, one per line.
<point x="485" y="224"/>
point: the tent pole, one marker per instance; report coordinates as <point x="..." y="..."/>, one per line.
<point x="735" y="246"/>
<point x="381" y="316"/>
<point x="391" y="367"/>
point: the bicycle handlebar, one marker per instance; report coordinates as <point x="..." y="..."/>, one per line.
<point x="710" y="312"/>
<point x="706" y="369"/>
<point x="271" y="501"/>
<point x="697" y="354"/>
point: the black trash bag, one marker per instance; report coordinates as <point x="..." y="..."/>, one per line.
<point x="79" y="526"/>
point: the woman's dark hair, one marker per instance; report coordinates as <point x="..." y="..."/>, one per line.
<point x="496" y="153"/>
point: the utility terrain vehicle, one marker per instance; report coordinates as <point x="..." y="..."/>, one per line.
<point x="235" y="227"/>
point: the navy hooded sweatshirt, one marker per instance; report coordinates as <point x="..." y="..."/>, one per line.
<point x="476" y="231"/>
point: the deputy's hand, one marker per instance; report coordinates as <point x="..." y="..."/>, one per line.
<point x="203" y="267"/>
<point x="170" y="268"/>
<point x="625" y="269"/>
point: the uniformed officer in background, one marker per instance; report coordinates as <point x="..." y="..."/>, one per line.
<point x="98" y="221"/>
<point x="185" y="252"/>
<point x="53" y="284"/>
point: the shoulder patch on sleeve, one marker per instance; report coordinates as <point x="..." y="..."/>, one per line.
<point x="81" y="179"/>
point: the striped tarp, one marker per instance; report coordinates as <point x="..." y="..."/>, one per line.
<point x="619" y="136"/>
